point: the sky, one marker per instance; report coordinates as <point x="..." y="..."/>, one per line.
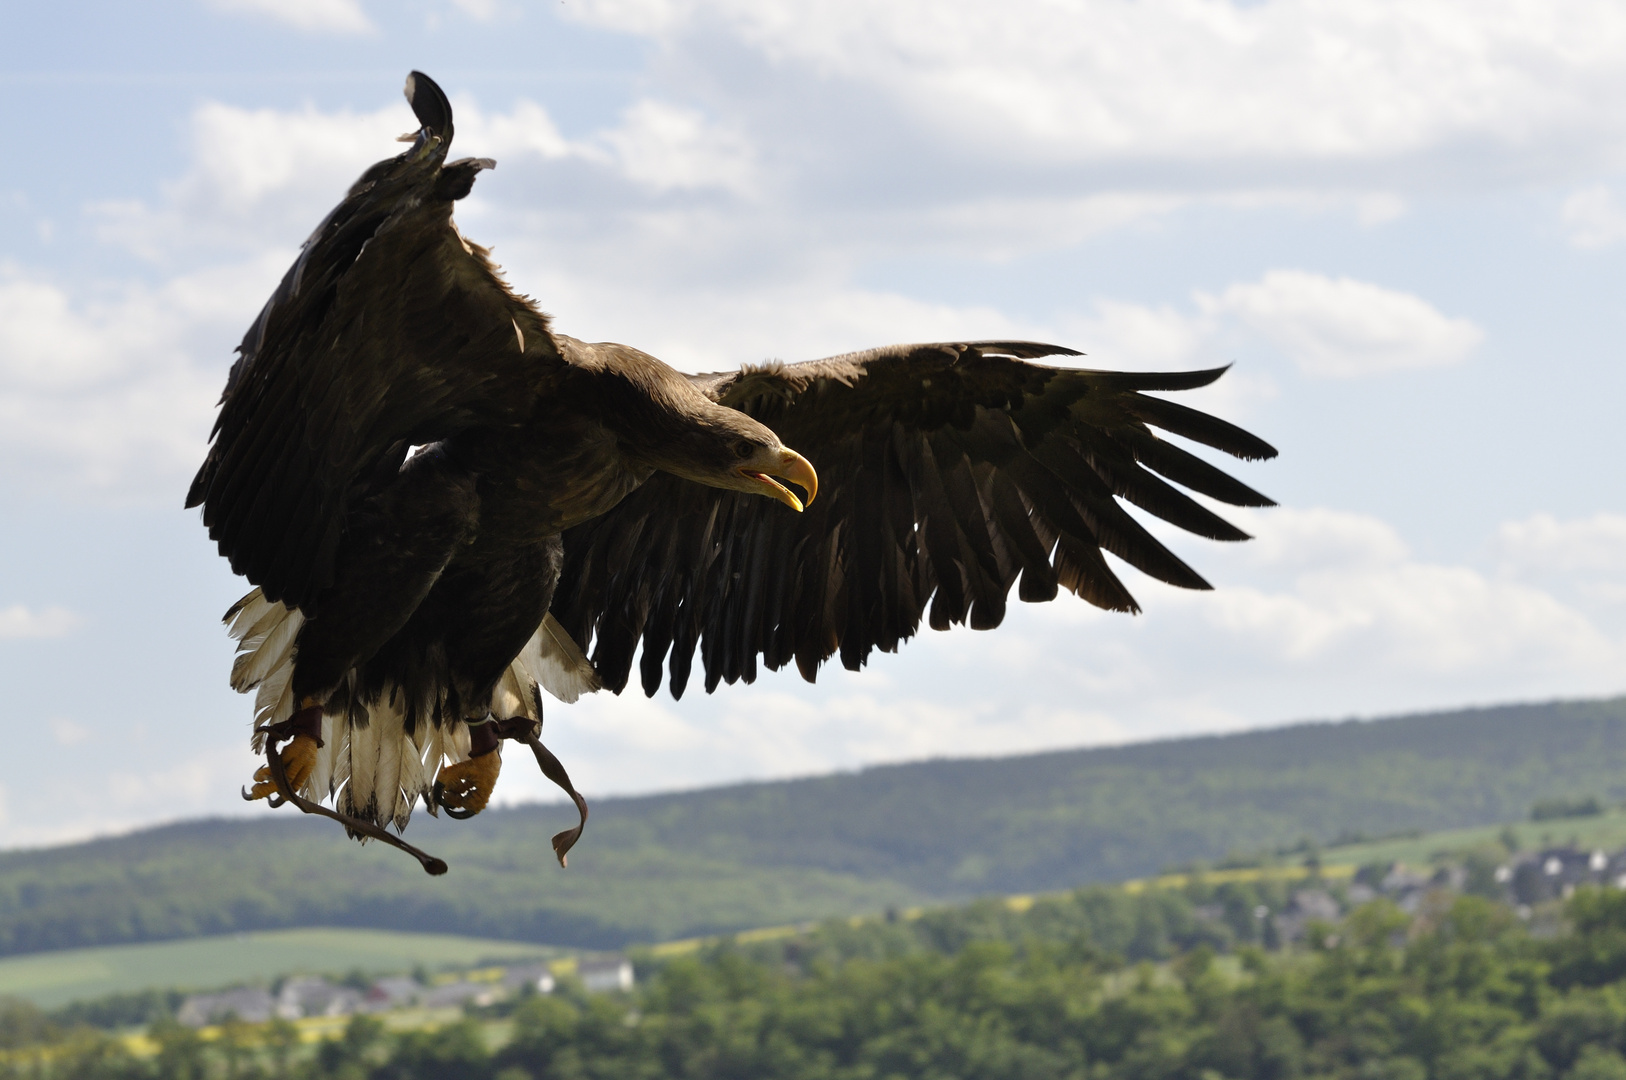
<point x="1403" y="223"/>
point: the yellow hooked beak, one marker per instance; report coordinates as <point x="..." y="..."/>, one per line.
<point x="793" y="467"/>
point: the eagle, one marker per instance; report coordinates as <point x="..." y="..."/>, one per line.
<point x="446" y="507"/>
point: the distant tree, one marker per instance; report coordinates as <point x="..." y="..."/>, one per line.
<point x="352" y="1055"/>
<point x="90" y="1055"/>
<point x="281" y="1040"/>
<point x="140" y="1008"/>
<point x="357" y="979"/>
<point x="1558" y="809"/>
<point x="22" y="1023"/>
<point x="1599" y="1063"/>
<point x="1481" y="865"/>
<point x="181" y="1051"/>
<point x="544" y="1036"/>
<point x="455" y="1052"/>
<point x="236" y="1044"/>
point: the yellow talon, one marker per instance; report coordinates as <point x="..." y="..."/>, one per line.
<point x="465" y="787"/>
<point x="298" y="758"/>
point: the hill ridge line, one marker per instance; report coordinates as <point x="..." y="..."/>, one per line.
<point x="664" y="866"/>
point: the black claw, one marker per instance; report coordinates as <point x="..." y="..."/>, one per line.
<point x="453" y="812"/>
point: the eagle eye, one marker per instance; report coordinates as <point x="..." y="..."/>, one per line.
<point x="745" y="448"/>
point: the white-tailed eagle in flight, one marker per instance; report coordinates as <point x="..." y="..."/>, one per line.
<point x="447" y="507"/>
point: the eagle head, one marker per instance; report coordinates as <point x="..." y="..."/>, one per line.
<point x="724" y="448"/>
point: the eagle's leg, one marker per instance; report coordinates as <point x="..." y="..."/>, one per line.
<point x="285" y="787"/>
<point x="463" y="789"/>
<point x="305" y="729"/>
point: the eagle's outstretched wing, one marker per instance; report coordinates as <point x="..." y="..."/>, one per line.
<point x="947" y="472"/>
<point x="389" y="330"/>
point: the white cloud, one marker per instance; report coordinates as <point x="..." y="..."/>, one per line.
<point x="1293" y="542"/>
<point x="130" y="797"/>
<point x="666" y="147"/>
<point x="525" y="129"/>
<point x="18" y="622"/>
<point x="1141" y="336"/>
<point x="1341" y="328"/>
<point x="317" y="16"/>
<point x="42" y="345"/>
<point x="1373" y="609"/>
<point x="1582" y="559"/>
<point x="1330" y="328"/>
<point x="256" y="178"/>
<point x="116" y="394"/>
<point x="478" y="10"/>
<point x="1593" y="218"/>
<point x="184" y="785"/>
<point x="1326" y="613"/>
<point x="66" y="732"/>
<point x="1585" y="545"/>
<point x="1099" y="83"/>
<point x="659" y="146"/>
<point x="260" y="178"/>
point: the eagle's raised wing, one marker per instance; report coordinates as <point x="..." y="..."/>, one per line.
<point x="389" y="330"/>
<point x="947" y="472"/>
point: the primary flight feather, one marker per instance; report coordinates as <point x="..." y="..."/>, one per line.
<point x="447" y="507"/>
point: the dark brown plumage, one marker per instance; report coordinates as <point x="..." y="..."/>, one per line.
<point x="401" y="617"/>
<point x="950" y="472"/>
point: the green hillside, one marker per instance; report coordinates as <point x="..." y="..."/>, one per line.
<point x="1607" y="831"/>
<point x="52" y="978"/>
<point x="201" y="963"/>
<point x="755" y="854"/>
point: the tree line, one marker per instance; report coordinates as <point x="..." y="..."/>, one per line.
<point x="1097" y="985"/>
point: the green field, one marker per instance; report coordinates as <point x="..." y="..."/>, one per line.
<point x="56" y="978"/>
<point x="1606" y="831"/>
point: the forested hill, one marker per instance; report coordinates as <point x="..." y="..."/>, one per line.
<point x="753" y="854"/>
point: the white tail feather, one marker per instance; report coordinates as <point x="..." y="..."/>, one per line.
<point x="320" y="784"/>
<point x="511" y="698"/>
<point x="434" y="749"/>
<point x="341" y="758"/>
<point x="553" y="659"/>
<point x="388" y="735"/>
<point x="245" y="613"/>
<point x="273" y="703"/>
<point x="269" y="653"/>
<point x="454" y="742"/>
<point x="363" y="769"/>
<point x="274" y="614"/>
<point x="265" y="633"/>
<point x="413" y="784"/>
<point x="377" y="771"/>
